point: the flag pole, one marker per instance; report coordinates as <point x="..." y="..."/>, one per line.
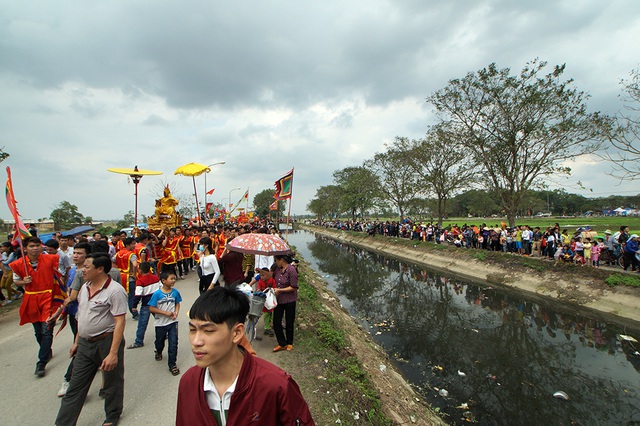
<point x="290" y="201"/>
<point x="17" y="223"/>
<point x="23" y="255"/>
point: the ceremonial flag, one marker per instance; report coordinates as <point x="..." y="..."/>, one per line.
<point x="208" y="207"/>
<point x="21" y="230"/>
<point x="211" y="192"/>
<point x="274" y="205"/>
<point x="244" y="197"/>
<point x="284" y="187"/>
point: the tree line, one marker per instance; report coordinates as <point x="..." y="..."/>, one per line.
<point x="501" y="138"/>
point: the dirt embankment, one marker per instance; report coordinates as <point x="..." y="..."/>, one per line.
<point x="579" y="293"/>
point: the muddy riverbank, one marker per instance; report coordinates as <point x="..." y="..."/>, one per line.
<point x="579" y="290"/>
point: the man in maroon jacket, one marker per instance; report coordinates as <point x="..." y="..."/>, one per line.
<point x="229" y="386"/>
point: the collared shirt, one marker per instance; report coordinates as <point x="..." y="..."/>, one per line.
<point x="284" y="279"/>
<point x="96" y="314"/>
<point x="219" y="406"/>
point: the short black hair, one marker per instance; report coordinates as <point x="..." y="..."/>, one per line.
<point x="145" y="267"/>
<point x="100" y="246"/>
<point x="53" y="243"/>
<point x="101" y="260"/>
<point x="84" y="246"/>
<point x="128" y="241"/>
<point x="165" y="275"/>
<point x="221" y="305"/>
<point x="31" y="240"/>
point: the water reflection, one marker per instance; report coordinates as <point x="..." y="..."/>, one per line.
<point x="501" y="355"/>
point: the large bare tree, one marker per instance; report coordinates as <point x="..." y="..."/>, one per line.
<point x="398" y="183"/>
<point x="442" y="162"/>
<point x="520" y="127"/>
<point x="624" y="152"/>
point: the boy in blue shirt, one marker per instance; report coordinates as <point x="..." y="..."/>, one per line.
<point x="165" y="307"/>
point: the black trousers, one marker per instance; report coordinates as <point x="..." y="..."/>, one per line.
<point x="85" y="366"/>
<point x="288" y="310"/>
<point x="205" y="282"/>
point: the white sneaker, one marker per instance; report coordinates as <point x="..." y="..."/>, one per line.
<point x="63" y="390"/>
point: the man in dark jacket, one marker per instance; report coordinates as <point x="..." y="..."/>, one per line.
<point x="229" y="386"/>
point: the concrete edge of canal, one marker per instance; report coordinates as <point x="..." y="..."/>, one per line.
<point x="620" y="305"/>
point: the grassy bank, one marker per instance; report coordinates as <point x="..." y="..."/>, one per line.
<point x="612" y="276"/>
<point x="337" y="366"/>
<point x="344" y="387"/>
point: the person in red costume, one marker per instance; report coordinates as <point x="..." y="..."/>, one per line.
<point x="36" y="273"/>
<point x="229" y="386"/>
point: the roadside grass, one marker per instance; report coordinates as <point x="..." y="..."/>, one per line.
<point x="341" y="386"/>
<point x="629" y="279"/>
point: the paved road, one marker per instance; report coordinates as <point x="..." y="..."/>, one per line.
<point x="150" y="389"/>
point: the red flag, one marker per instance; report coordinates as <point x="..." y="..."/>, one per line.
<point x="211" y="192"/>
<point x="208" y="207"/>
<point x="21" y="230"/>
<point x="284" y="187"/>
<point x="246" y="195"/>
<point x="274" y="205"/>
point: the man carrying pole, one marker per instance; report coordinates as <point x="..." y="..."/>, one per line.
<point x="37" y="274"/>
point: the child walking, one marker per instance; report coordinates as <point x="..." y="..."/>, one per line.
<point x="165" y="306"/>
<point x="146" y="285"/>
<point x="267" y="281"/>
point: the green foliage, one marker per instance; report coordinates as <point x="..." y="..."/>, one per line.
<point x="480" y="255"/>
<point x="3" y="155"/>
<point x="332" y="337"/>
<point x="535" y="266"/>
<point x="327" y="202"/>
<point x="631" y="280"/>
<point x="66" y="216"/>
<point x="360" y="189"/>
<point x="126" y="221"/>
<point x="263" y="199"/>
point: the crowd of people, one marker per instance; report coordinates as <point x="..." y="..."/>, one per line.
<point x="582" y="246"/>
<point x="92" y="282"/>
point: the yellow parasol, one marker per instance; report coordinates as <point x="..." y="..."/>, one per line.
<point x="193" y="170"/>
<point x="136" y="175"/>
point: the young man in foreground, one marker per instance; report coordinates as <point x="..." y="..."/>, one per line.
<point x="99" y="344"/>
<point x="228" y="386"/>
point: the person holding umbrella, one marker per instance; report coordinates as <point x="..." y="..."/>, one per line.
<point x="286" y="277"/>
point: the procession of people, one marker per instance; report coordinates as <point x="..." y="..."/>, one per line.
<point x="95" y="283"/>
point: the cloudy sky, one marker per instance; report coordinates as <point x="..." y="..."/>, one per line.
<point x="265" y="86"/>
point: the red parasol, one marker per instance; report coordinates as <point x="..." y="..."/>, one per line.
<point x="264" y="244"/>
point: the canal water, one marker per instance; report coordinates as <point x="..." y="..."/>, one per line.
<point x="481" y="354"/>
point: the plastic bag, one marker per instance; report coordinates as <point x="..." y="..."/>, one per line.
<point x="271" y="301"/>
<point x="245" y="288"/>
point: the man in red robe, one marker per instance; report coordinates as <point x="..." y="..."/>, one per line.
<point x="170" y="252"/>
<point x="36" y="273"/>
<point x="127" y="263"/>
